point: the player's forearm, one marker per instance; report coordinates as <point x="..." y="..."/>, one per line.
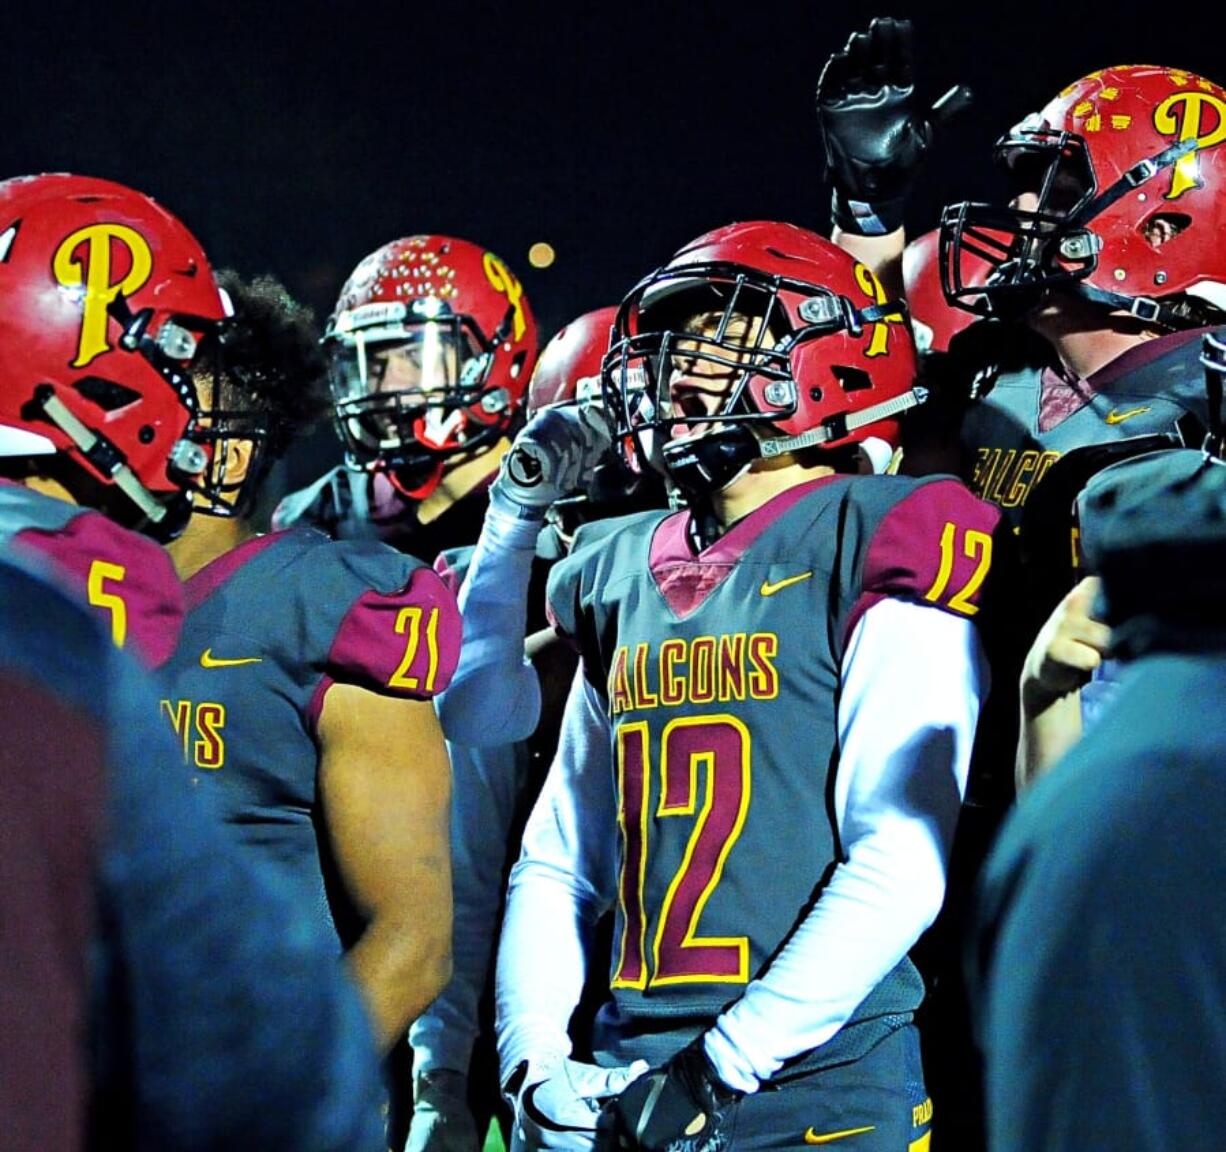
<point x="494" y="697"/>
<point x="881" y="254"/>
<point x="542" y="962"/>
<point x="912" y="681"/>
<point x="1047" y="733"/>
<point x="401" y="963"/>
<point x="869" y="916"/>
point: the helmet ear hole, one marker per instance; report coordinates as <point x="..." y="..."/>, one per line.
<point x="1160" y="227"/>
<point x="851" y="379"/>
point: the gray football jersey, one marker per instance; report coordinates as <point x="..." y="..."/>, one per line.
<point x="269" y="627"/>
<point x="1026" y="419"/>
<point x="721" y="672"/>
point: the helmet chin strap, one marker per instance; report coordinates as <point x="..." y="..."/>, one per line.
<point x="839" y="426"/>
<point x="101" y="453"/>
<point x="708" y="464"/>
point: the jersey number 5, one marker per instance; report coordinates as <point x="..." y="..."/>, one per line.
<point x="101" y="574"/>
<point x="705" y="778"/>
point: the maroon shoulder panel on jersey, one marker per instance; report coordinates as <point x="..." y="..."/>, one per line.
<point x="447" y="574"/>
<point x="126" y="578"/>
<point x="933" y="547"/>
<point x="404" y="643"/>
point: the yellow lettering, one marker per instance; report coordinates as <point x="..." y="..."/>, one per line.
<point x="732" y="667"/>
<point x="986" y="460"/>
<point x="645" y="698"/>
<point x="179" y="713"/>
<point x="672" y="683"/>
<point x="620" y="697"/>
<point x="879" y="343"/>
<point x="764" y="679"/>
<point x="1182" y="113"/>
<point x="93" y="271"/>
<point x="503" y="280"/>
<point x="1020" y="487"/>
<point x="702" y="670"/>
<point x="210" y="750"/>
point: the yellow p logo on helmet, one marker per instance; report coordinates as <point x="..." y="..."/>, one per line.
<point x="92" y="269"/>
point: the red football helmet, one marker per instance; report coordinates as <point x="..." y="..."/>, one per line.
<point x="106" y="299"/>
<point x="1123" y="186"/>
<point x="432" y="344"/>
<point x="934" y="321"/>
<point x="807" y="350"/>
<point x="569" y="366"/>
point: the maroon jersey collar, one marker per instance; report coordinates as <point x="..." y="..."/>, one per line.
<point x="215" y="573"/>
<point x="686" y="579"/>
<point x="1060" y="396"/>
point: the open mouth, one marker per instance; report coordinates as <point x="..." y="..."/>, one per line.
<point x="693" y="409"/>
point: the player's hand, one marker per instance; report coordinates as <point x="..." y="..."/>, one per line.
<point x="1070" y="645"/>
<point x="874" y="132"/>
<point x="442" y="1121"/>
<point x="682" y="1106"/>
<point x="553" y="456"/>
<point x="556" y="1103"/>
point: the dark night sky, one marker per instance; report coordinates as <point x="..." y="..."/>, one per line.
<point x="296" y="138"/>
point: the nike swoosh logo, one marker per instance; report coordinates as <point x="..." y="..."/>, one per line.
<point x="812" y="1137"/>
<point x="769" y="589"/>
<point x="208" y="660"/>
<point x="1114" y="417"/>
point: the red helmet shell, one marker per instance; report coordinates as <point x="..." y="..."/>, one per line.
<point x="934" y="320"/>
<point x="77" y="253"/>
<point x="471" y="281"/>
<point x="1128" y="114"/>
<point x="835" y="374"/>
<point x="571" y="360"/>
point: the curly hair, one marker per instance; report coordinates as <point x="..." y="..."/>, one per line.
<point x="272" y="365"/>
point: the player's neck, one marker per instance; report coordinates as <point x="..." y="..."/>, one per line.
<point x="1088" y="338"/>
<point x="204" y="539"/>
<point x="459" y="480"/>
<point x="761" y="484"/>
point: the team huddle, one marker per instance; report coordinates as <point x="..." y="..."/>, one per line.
<point x="734" y="726"/>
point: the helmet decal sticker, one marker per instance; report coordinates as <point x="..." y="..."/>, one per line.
<point x="94" y="270"/>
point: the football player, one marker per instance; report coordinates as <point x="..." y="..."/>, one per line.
<point x="301" y="687"/>
<point x="763" y="756"/>
<point x="1112" y="251"/>
<point x="1102" y="1029"/>
<point x="108" y="301"/>
<point x="432" y="343"/>
<point x="158" y="990"/>
<point x="502" y="708"/>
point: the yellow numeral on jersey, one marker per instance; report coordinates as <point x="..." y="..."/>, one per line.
<point x="408" y="622"/>
<point x="100" y="572"/>
<point x="976" y="546"/>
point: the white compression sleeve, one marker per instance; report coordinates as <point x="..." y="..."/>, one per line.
<point x="561" y="885"/>
<point x="494" y="696"/>
<point x="912" y="681"/>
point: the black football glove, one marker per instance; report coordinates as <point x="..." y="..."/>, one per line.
<point x="875" y="135"/>
<point x="682" y="1106"/>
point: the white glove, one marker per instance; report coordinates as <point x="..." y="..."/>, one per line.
<point x="553" y="456"/>
<point x="441" y="1119"/>
<point x="558" y="1104"/>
